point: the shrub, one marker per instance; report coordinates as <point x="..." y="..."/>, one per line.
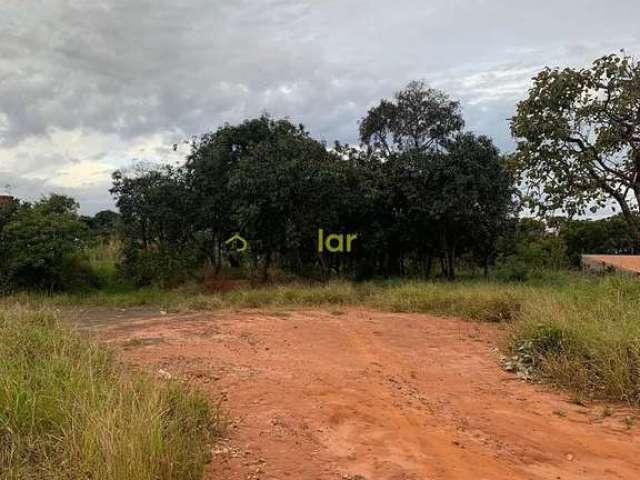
<point x="512" y="269"/>
<point x="103" y="257"/>
<point x="159" y="266"/>
<point x="77" y="273"/>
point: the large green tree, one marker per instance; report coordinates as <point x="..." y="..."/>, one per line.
<point x="443" y="192"/>
<point x="213" y="158"/>
<point x="277" y="191"/>
<point x="578" y="138"/>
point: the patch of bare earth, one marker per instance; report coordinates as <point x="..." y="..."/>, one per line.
<point x="359" y="394"/>
<point x="625" y="263"/>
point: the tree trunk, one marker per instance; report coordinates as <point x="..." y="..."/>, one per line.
<point x="633" y="221"/>
<point x="451" y="274"/>
<point x="444" y="269"/>
<point x="428" y="264"/>
<point x="218" y="256"/>
<point x="323" y="266"/>
<point x="266" y="266"/>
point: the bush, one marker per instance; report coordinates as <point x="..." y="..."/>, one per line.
<point x="491" y="303"/>
<point x="104" y="256"/>
<point x="39" y="243"/>
<point x="161" y="266"/>
<point x="531" y="247"/>
<point x="512" y="270"/>
<point x="77" y="273"/>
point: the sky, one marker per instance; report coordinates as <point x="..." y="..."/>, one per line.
<point x="87" y="87"/>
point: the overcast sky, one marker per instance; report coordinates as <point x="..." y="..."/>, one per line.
<point x="90" y="86"/>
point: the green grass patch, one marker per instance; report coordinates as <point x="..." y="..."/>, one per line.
<point x="68" y="410"/>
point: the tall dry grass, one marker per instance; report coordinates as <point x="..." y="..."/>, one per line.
<point x="68" y="410"/>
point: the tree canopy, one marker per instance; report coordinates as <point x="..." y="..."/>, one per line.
<point x="417" y="119"/>
<point x="418" y="188"/>
<point x="39" y="243"/>
<point x="579" y="138"/>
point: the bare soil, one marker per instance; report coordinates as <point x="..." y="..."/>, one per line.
<point x="360" y="394"/>
<point x="625" y="263"/>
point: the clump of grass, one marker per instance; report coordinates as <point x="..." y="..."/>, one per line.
<point x="485" y="302"/>
<point x="295" y="294"/>
<point x="68" y="410"/>
<point x="586" y="339"/>
<point x="191" y="297"/>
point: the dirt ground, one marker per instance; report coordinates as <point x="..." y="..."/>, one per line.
<point x="360" y="394"/>
<point x="626" y="263"/>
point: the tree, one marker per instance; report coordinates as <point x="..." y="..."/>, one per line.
<point x="435" y="192"/>
<point x="40" y="242"/>
<point x="482" y="196"/>
<point x="104" y="223"/>
<point x="58" y="204"/>
<point x="159" y="218"/>
<point x="277" y="187"/>
<point x="212" y="159"/>
<point x="418" y="119"/>
<point x="8" y="210"/>
<point x="401" y="136"/>
<point x="463" y="199"/>
<point x="444" y="192"/>
<point x="579" y="138"/>
<point x="537" y="245"/>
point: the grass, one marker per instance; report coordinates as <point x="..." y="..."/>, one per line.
<point x="585" y="339"/>
<point x="577" y="331"/>
<point x="68" y="410"/>
<point x="103" y="259"/>
<point x="476" y="299"/>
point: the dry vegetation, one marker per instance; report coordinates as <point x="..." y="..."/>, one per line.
<point x="68" y="410"/>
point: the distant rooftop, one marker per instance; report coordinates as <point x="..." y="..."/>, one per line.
<point x="5" y="199"/>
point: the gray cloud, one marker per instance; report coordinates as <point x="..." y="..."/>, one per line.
<point x="107" y="81"/>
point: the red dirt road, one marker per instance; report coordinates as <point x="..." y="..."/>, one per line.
<point x="358" y="394"/>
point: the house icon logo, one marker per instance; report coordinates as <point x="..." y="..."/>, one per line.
<point x="237" y="243"/>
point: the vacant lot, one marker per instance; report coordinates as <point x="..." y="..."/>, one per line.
<point x="339" y="393"/>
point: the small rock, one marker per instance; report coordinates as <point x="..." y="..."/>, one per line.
<point x="569" y="457"/>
